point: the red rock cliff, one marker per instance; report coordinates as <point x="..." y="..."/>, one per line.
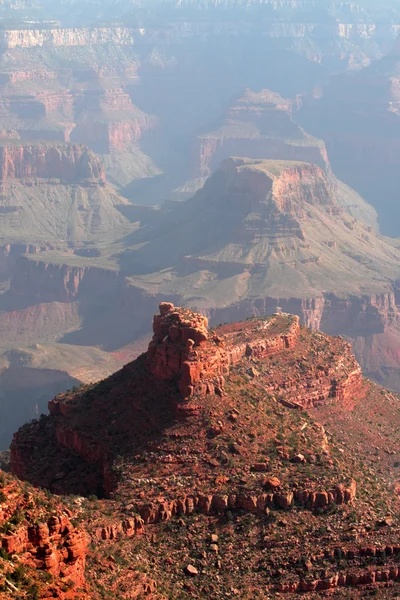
<point x="183" y="349"/>
<point x="72" y="163"/>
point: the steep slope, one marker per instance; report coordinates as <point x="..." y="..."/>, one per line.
<point x="55" y="193"/>
<point x="210" y="449"/>
<point x="35" y="373"/>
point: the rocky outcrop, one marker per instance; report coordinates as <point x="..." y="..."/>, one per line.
<point x="120" y="529"/>
<point x="213" y="503"/>
<point x="71" y="163"/>
<point x="32" y="537"/>
<point x="55" y="546"/>
<point x="259" y="125"/>
<point x="350" y="579"/>
<point x="190" y="364"/>
<point x="232" y="449"/>
<point x="181" y="349"/>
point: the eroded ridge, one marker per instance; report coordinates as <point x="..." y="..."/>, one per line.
<point x="237" y="429"/>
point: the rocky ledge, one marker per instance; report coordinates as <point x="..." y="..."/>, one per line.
<point x="182" y="348"/>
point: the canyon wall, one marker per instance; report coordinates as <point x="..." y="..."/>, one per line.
<point x="10" y="253"/>
<point x="213" y="150"/>
<point x="72" y="163"/>
<point x="31" y="38"/>
<point x="357" y="114"/>
<point x="356" y="316"/>
<point x="259" y="125"/>
<point x="61" y="282"/>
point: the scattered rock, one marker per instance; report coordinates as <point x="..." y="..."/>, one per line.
<point x="299" y="458"/>
<point x="253" y="372"/>
<point x="272" y="483"/>
<point x="261" y="466"/>
<point x="191" y="570"/>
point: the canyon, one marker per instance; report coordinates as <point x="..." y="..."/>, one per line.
<point x="286" y="239"/>
<point x="196" y="280"/>
<point x="117" y="127"/>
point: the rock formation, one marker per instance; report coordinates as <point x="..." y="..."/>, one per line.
<point x="37" y="539"/>
<point x="74" y="163"/>
<point x="209" y="429"/>
<point x="182" y="350"/>
<point x="55" y="193"/>
<point x="260" y="125"/>
<point x="192" y="364"/>
<point x="52" y="89"/>
<point x="31" y="38"/>
<point x="285" y="239"/>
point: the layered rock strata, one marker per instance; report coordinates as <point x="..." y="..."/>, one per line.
<point x="68" y="163"/>
<point x="259" y="125"/>
<point x="236" y="450"/>
<point x="257" y="504"/>
<point x="182" y="349"/>
<point x="39" y="539"/>
<point x="31" y="38"/>
<point x="285" y="239"/>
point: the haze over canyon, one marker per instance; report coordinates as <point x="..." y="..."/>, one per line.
<point x="199" y="299"/>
